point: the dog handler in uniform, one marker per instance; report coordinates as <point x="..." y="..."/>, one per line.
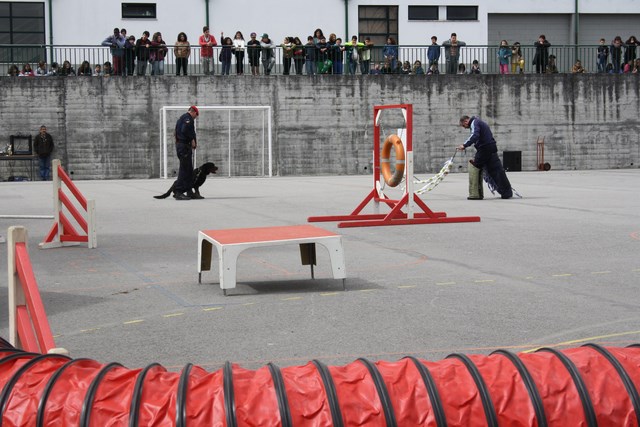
<point x="185" y="144"/>
<point x="486" y="156"/>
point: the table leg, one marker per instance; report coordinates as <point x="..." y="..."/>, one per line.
<point x="336" y="254"/>
<point x="228" y="262"/>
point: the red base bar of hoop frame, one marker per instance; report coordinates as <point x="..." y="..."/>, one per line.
<point x="395" y="217"/>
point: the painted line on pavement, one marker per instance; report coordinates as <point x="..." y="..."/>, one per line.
<point x="571" y="342"/>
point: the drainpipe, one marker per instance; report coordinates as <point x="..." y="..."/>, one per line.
<point x="206" y="12"/>
<point x="346" y="20"/>
<point x="50" y="30"/>
<point x="576" y="28"/>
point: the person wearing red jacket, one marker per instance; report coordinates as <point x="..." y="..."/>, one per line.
<point x="207" y="41"/>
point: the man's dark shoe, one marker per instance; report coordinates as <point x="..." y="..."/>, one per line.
<point x="196" y="196"/>
<point x="181" y="196"/>
<point x="474" y="198"/>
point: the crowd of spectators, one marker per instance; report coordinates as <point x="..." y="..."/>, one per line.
<point x="319" y="55"/>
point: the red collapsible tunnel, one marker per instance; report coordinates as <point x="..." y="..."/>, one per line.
<point x="586" y="386"/>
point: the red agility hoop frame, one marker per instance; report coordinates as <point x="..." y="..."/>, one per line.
<point x="409" y="200"/>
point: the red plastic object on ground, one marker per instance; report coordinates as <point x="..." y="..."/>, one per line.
<point x="586" y="386"/>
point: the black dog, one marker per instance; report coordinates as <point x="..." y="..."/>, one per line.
<point x="199" y="177"/>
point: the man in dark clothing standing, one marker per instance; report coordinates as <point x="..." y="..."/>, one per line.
<point x="185" y="144"/>
<point x="142" y="51"/>
<point x="43" y="146"/>
<point x="486" y="155"/>
<point x="541" y="59"/>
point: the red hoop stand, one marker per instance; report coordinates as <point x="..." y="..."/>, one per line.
<point x="409" y="200"/>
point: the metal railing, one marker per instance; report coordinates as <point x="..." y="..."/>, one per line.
<point x="565" y="57"/>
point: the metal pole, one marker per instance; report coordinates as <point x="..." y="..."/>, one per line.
<point x="346" y="20"/>
<point x="206" y="12"/>
<point x="229" y="127"/>
<point x="262" y="171"/>
<point x="269" y="139"/>
<point x="576" y="29"/>
<point x="50" y="31"/>
<point x="163" y="140"/>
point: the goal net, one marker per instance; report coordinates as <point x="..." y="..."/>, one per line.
<point x="236" y="138"/>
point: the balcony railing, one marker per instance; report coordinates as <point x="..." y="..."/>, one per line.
<point x="565" y="57"/>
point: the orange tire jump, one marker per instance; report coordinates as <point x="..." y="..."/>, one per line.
<point x="394" y="179"/>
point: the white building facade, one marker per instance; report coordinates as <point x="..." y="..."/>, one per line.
<point x="411" y="23"/>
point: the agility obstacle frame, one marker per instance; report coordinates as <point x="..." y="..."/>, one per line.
<point x="63" y="233"/>
<point x="28" y="325"/>
<point x="266" y="140"/>
<point x="417" y="211"/>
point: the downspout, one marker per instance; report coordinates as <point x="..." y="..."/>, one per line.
<point x="576" y="34"/>
<point x="577" y="26"/>
<point x="346" y="20"/>
<point x="206" y="12"/>
<point x="50" y="30"/>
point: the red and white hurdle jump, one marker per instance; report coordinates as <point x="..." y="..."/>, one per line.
<point x="63" y="233"/>
<point x="28" y="324"/>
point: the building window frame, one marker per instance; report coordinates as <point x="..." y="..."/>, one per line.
<point x="21" y="18"/>
<point x="423" y="13"/>
<point x="462" y="13"/>
<point x="139" y="11"/>
<point x="378" y="22"/>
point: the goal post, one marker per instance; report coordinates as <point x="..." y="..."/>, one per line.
<point x="255" y="134"/>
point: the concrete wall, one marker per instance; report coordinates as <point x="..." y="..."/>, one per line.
<point x="109" y="127"/>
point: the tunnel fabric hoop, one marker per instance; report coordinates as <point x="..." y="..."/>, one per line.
<point x="589" y="385"/>
<point x="392" y="179"/>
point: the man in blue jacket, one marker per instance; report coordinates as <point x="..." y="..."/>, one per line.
<point x="433" y="53"/>
<point x="185" y="144"/>
<point x="116" y="42"/>
<point x="486" y="156"/>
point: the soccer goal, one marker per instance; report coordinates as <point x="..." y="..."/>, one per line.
<point x="236" y="138"/>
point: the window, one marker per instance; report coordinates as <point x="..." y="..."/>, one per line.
<point x="24" y="24"/>
<point x="139" y="10"/>
<point x="462" y="13"/>
<point x="423" y="13"/>
<point x="379" y="23"/>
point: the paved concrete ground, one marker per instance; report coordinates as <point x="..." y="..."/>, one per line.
<point x="559" y="267"/>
